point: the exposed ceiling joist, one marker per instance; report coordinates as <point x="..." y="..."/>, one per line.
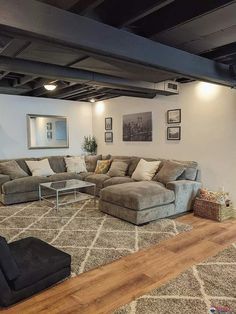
<point x="138" y="50"/>
<point x="84" y="6"/>
<point x="14" y="47"/>
<point x="24" y="80"/>
<point x="3" y="74"/>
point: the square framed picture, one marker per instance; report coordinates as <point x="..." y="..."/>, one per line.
<point x="174" y="116"/>
<point x="49" y="126"/>
<point x="108" y="123"/>
<point x="174" y="133"/>
<point x="49" y="135"/>
<point x="108" y="137"/>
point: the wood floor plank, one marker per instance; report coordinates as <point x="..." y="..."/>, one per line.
<point x="108" y="287"/>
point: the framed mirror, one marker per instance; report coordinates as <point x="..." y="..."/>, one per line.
<point x="46" y="131"/>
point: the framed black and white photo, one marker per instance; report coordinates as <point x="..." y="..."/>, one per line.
<point x="108" y="123"/>
<point x="108" y="137"/>
<point x="49" y="135"/>
<point x="49" y="125"/>
<point x="174" y="116"/>
<point x="137" y="127"/>
<point x="174" y="133"/>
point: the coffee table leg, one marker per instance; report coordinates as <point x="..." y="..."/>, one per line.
<point x="40" y="194"/>
<point x="94" y="195"/>
<point x="57" y="200"/>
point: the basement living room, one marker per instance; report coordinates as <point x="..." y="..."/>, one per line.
<point x="117" y="156"/>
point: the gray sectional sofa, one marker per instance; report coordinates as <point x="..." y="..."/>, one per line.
<point x="136" y="202"/>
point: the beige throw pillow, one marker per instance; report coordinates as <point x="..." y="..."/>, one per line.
<point x="40" y="168"/>
<point x="118" y="169"/>
<point x="145" y="170"/>
<point x="12" y="169"/>
<point x="75" y="164"/>
<point x="169" y="172"/>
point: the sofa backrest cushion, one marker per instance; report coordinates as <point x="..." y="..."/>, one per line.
<point x="91" y="162"/>
<point x="190" y="172"/>
<point x="57" y="163"/>
<point x="118" y="168"/>
<point x="12" y="169"/>
<point x="7" y="262"/>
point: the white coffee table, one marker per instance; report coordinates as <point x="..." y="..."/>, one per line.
<point x="65" y="187"/>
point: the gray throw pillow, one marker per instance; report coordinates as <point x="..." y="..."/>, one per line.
<point x="12" y="169"/>
<point x="169" y="172"/>
<point x="118" y="168"/>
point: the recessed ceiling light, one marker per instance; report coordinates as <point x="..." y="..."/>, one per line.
<point x="92" y="100"/>
<point x="50" y="87"/>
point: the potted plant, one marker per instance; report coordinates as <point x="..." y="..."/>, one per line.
<point x="90" y="145"/>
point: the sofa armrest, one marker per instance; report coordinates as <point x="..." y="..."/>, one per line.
<point x="185" y="192"/>
<point x="3" y="178"/>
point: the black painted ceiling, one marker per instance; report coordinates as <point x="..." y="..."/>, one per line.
<point x="202" y="27"/>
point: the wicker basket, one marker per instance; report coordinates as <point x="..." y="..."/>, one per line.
<point x="214" y="211"/>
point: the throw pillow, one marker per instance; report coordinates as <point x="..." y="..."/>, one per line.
<point x="145" y="170"/>
<point x="75" y="164"/>
<point x="12" y="169"/>
<point x="102" y="166"/>
<point x="118" y="168"/>
<point x="40" y="168"/>
<point x="169" y="172"/>
<point x="91" y="162"/>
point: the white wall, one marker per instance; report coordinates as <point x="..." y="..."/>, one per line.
<point x="208" y="130"/>
<point x="13" y="127"/>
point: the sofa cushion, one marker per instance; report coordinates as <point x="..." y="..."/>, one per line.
<point x="12" y="169"/>
<point x="169" y="172"/>
<point x="98" y="179"/>
<point x="91" y="162"/>
<point x="36" y="260"/>
<point x="7" y="262"/>
<point x="22" y="185"/>
<point x="118" y="168"/>
<point x="57" y="163"/>
<point x="75" y="164"/>
<point x="64" y="176"/>
<point x="103" y="166"/>
<point x="145" y="170"/>
<point x="40" y="167"/>
<point x="138" y="195"/>
<point x="190" y="171"/>
<point x="117" y="180"/>
<point x="83" y="175"/>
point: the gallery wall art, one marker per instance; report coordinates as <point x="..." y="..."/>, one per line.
<point x="137" y="127"/>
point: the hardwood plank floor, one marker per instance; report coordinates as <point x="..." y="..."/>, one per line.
<point x="108" y="287"/>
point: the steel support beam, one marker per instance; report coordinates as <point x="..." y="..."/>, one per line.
<point x="63" y="73"/>
<point x="100" y="39"/>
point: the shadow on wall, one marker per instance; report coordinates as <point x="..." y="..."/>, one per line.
<point x="7" y="143"/>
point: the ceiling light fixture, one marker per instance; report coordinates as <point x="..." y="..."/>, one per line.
<point x="92" y="100"/>
<point x="50" y="87"/>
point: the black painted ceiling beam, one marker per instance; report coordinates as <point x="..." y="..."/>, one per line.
<point x="58" y="72"/>
<point x="100" y="39"/>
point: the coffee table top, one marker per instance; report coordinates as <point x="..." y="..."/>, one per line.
<point x="66" y="185"/>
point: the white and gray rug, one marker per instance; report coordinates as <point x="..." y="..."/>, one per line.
<point x="91" y="237"/>
<point x="208" y="285"/>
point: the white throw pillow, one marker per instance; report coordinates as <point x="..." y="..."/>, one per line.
<point x="75" y="164"/>
<point x="145" y="170"/>
<point x="40" y="167"/>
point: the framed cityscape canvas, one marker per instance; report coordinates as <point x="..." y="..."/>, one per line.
<point x="108" y="137"/>
<point x="174" y="133"/>
<point x="137" y="127"/>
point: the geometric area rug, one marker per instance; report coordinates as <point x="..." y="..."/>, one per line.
<point x="91" y="237"/>
<point x="208" y="287"/>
